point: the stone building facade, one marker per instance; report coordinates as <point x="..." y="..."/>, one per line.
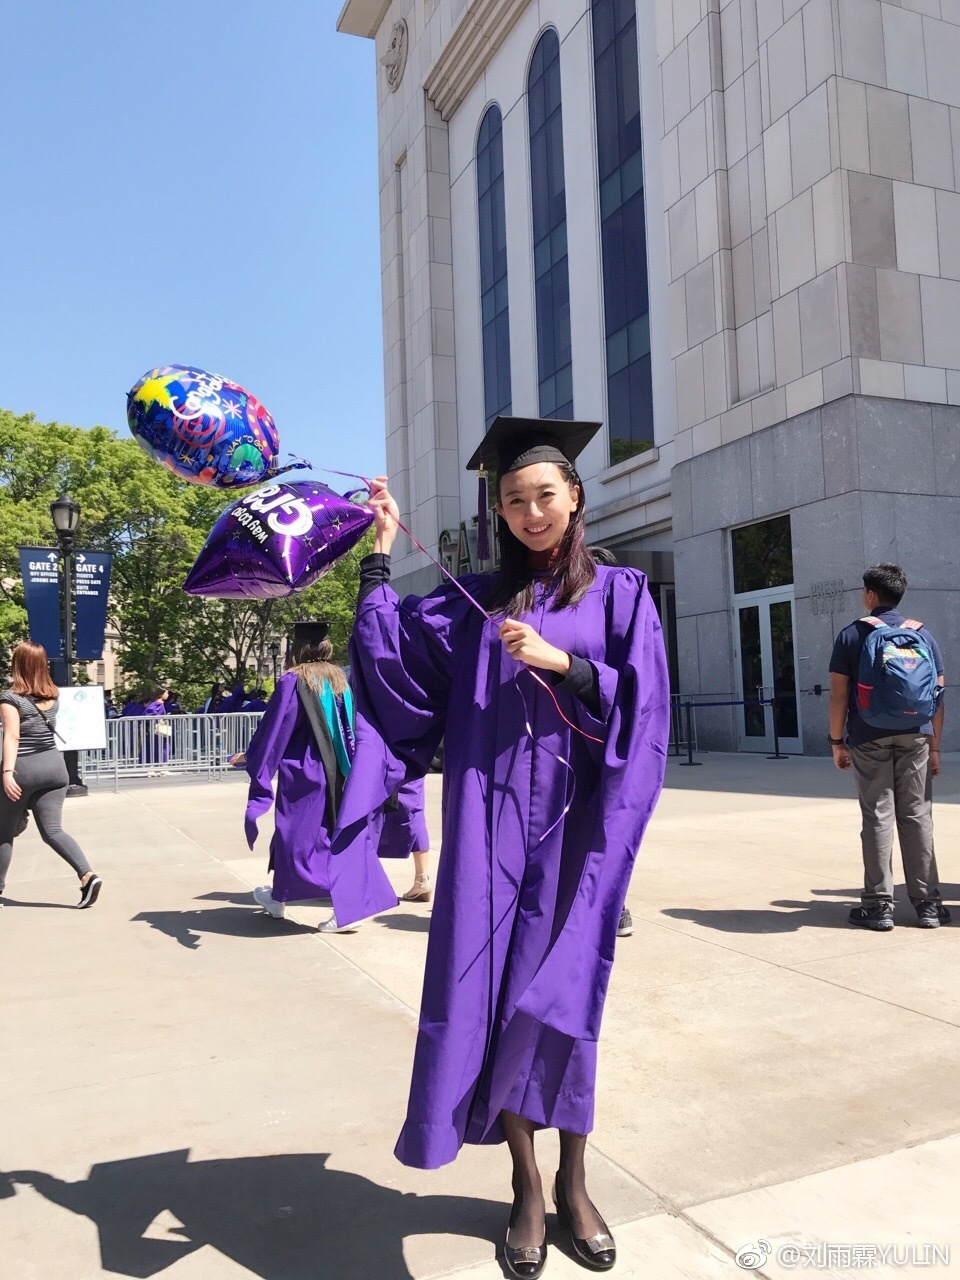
<point x="731" y="232"/>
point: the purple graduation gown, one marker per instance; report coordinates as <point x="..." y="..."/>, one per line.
<point x="405" y="828"/>
<point x="156" y="746"/>
<point x="284" y="745"/>
<point x="525" y="917"/>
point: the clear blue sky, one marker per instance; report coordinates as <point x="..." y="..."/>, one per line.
<point x="192" y="181"/>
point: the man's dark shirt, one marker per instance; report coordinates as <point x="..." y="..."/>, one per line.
<point x="846" y="662"/>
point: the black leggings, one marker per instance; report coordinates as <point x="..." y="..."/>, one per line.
<point x="43" y="781"/>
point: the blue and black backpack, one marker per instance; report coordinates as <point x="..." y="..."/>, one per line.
<point x="897" y="685"/>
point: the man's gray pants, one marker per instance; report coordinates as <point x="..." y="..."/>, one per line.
<point x="895" y="790"/>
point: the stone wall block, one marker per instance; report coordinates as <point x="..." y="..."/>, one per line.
<point x="895" y="447"/>
<point x="898" y="303"/>
<point x="721" y="492"/>
<point x="838" y="427"/>
<point x="946" y="449"/>
<point x="786" y="463"/>
<point x="872" y="224"/>
<point x="703" y="587"/>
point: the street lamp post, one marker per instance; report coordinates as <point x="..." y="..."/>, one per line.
<point x="66" y="520"/>
<point x="275" y="655"/>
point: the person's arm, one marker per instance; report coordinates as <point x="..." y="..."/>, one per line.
<point x="839" y="700"/>
<point x="374" y="572"/>
<point x="10" y="718"/>
<point x="937" y="733"/>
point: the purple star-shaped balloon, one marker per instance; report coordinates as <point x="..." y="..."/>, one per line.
<point x="277" y="541"/>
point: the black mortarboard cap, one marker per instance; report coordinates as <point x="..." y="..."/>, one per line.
<point x="308" y="633"/>
<point x="517" y="442"/>
<point x="512" y="443"/>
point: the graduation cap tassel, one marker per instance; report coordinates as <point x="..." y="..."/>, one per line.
<point x="483" y="532"/>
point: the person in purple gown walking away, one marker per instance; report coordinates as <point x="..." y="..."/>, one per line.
<point x="556" y="711"/>
<point x="306" y="740"/>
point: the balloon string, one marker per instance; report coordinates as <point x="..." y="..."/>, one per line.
<point x="350" y="475"/>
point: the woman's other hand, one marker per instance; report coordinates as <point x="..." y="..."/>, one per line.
<point x="527" y="645"/>
<point x="11" y="787"/>
<point x="386" y="515"/>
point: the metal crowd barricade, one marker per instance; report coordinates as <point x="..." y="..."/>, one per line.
<point x="158" y="746"/>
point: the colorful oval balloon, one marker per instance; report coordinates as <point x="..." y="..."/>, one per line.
<point x="277" y="541"/>
<point x="204" y="428"/>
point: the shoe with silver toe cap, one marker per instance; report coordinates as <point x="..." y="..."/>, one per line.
<point x="598" y="1252"/>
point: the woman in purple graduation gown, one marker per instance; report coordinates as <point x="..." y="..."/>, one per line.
<point x="305" y="739"/>
<point x="536" y="853"/>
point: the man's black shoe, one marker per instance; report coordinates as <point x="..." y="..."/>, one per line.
<point x="931" y="915"/>
<point x="878" y="918"/>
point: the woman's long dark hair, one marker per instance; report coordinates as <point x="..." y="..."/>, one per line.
<point x="573" y="572"/>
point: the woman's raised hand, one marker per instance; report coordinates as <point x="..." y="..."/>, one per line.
<point x="386" y="515"/>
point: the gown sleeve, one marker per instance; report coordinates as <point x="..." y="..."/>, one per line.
<point x="402" y="660"/>
<point x="266" y="751"/>
<point x="568" y="990"/>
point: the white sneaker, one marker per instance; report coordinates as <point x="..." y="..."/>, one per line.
<point x="331" y="926"/>
<point x="265" y="899"/>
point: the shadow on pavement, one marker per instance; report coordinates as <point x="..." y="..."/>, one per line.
<point x="282" y="1217"/>
<point x="408" y="924"/>
<point x="187" y="927"/>
<point x="40" y="906"/>
<point x="803" y="915"/>
<point x="243" y="897"/>
<point x="793" y="915"/>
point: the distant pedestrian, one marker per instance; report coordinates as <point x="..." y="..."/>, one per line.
<point x="132" y="706"/>
<point x="886" y="686"/>
<point x="156" y="747"/>
<point x="34" y="773"/>
<point x="256" y="701"/>
<point x="215" y="701"/>
<point x="173" y="705"/>
<point x="234" y="702"/>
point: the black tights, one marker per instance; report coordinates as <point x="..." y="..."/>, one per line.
<point x="528" y="1219"/>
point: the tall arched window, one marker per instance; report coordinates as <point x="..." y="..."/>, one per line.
<point x="623" y="239"/>
<point x="554" y="367"/>
<point x="495" y="315"/>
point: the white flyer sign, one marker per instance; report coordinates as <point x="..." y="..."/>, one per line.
<point x="81" y="722"/>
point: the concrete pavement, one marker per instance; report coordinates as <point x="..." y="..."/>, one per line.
<point x="195" y="1091"/>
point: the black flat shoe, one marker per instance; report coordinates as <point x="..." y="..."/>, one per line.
<point x="599" y="1252"/>
<point x="526" y="1263"/>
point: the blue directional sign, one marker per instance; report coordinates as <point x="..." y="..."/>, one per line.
<point x="40" y="567"/>
<point x="92" y="592"/>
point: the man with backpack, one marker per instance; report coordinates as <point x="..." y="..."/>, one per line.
<point x="886" y="688"/>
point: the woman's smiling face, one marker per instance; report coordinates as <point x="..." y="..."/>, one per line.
<point x="537" y="503"/>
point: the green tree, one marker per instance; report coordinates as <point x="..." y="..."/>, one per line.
<point x="155" y="526"/>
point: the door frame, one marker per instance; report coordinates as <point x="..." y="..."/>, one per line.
<point x="763" y="599"/>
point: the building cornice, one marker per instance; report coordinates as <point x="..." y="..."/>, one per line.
<point x="362" y="17"/>
<point x="475" y="39"/>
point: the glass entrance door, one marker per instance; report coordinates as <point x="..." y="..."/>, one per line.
<point x="767" y="668"/>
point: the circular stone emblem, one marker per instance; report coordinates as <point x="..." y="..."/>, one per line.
<point x="394" y="61"/>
